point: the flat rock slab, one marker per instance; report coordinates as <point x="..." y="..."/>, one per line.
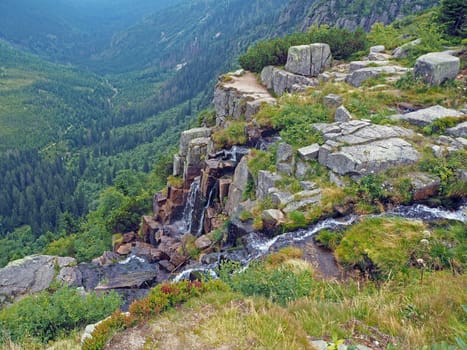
<point x="130" y="280"/>
<point x="361" y="75"/>
<point x="372" y="157"/>
<point x="356" y="132"/>
<point x="425" y="116"/>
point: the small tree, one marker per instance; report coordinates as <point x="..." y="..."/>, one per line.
<point x="452" y="15"/>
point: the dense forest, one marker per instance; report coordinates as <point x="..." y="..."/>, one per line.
<point x="67" y="131"/>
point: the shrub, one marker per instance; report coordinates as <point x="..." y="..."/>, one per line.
<point x="280" y="284"/>
<point x="46" y="316"/>
<point x="160" y="298"/>
<point x="384" y="35"/>
<point x="343" y="44"/>
<point x="234" y="134"/>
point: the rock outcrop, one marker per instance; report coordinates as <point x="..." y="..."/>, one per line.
<point x="236" y="96"/>
<point x="359" y="148"/>
<point x="281" y="81"/>
<point x="36" y="273"/>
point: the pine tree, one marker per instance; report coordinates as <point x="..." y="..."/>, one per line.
<point x="452" y="15"/>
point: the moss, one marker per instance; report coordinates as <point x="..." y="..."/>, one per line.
<point x="233" y="134"/>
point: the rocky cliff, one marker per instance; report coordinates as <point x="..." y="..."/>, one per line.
<point x="349" y="14"/>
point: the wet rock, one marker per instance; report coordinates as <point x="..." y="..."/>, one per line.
<point x="371" y="157"/>
<point x="424" y="186"/>
<point x="460" y="130"/>
<point x="131" y="280"/>
<point x="124" y="249"/>
<point x="425" y="116"/>
<point x="359" y="76"/>
<point x="266" y="180"/>
<point x="36" y="273"/>
<point x="285" y="161"/>
<point x="403" y="51"/>
<point x="224" y="186"/>
<point x="309" y="152"/>
<point x="148" y="230"/>
<point x="272" y="220"/>
<point x="436" y="67"/>
<point x="332" y="101"/>
<point x="203" y="242"/>
<point x="309" y="60"/>
<point x="280" y="81"/>
<point x="342" y="114"/>
<point x="237" y="187"/>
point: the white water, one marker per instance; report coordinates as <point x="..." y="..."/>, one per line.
<point x="130" y="258"/>
<point x="261" y="246"/>
<point x="208" y="203"/>
<point x="190" y="205"/>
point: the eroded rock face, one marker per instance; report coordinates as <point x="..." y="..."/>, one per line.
<point x="309" y="60"/>
<point x="239" y="96"/>
<point x="237" y="186"/>
<point x="36" y="273"/>
<point x="425" y="116"/>
<point x="188" y="135"/>
<point x="281" y="81"/>
<point x="266" y="181"/>
<point x="436" y="67"/>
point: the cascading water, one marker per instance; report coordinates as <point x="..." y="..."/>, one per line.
<point x="208" y="203"/>
<point x="257" y="245"/>
<point x="187" y="219"/>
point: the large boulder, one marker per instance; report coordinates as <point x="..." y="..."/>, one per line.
<point x="309" y="60"/>
<point x="280" y="81"/>
<point x="309" y="152"/>
<point x="36" y="273"/>
<point x="425" y="116"/>
<point x="436" y="67"/>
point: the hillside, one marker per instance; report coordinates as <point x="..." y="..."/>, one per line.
<point x="320" y="202"/>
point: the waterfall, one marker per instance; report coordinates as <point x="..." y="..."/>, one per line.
<point x="203" y="213"/>
<point x="190" y="205"/>
<point x="258" y="245"/>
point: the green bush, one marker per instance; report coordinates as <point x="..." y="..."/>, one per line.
<point x="280" y="284"/>
<point x="46" y="316"/>
<point x="343" y="44"/>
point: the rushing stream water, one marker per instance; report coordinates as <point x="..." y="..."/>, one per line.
<point x="258" y="245"/>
